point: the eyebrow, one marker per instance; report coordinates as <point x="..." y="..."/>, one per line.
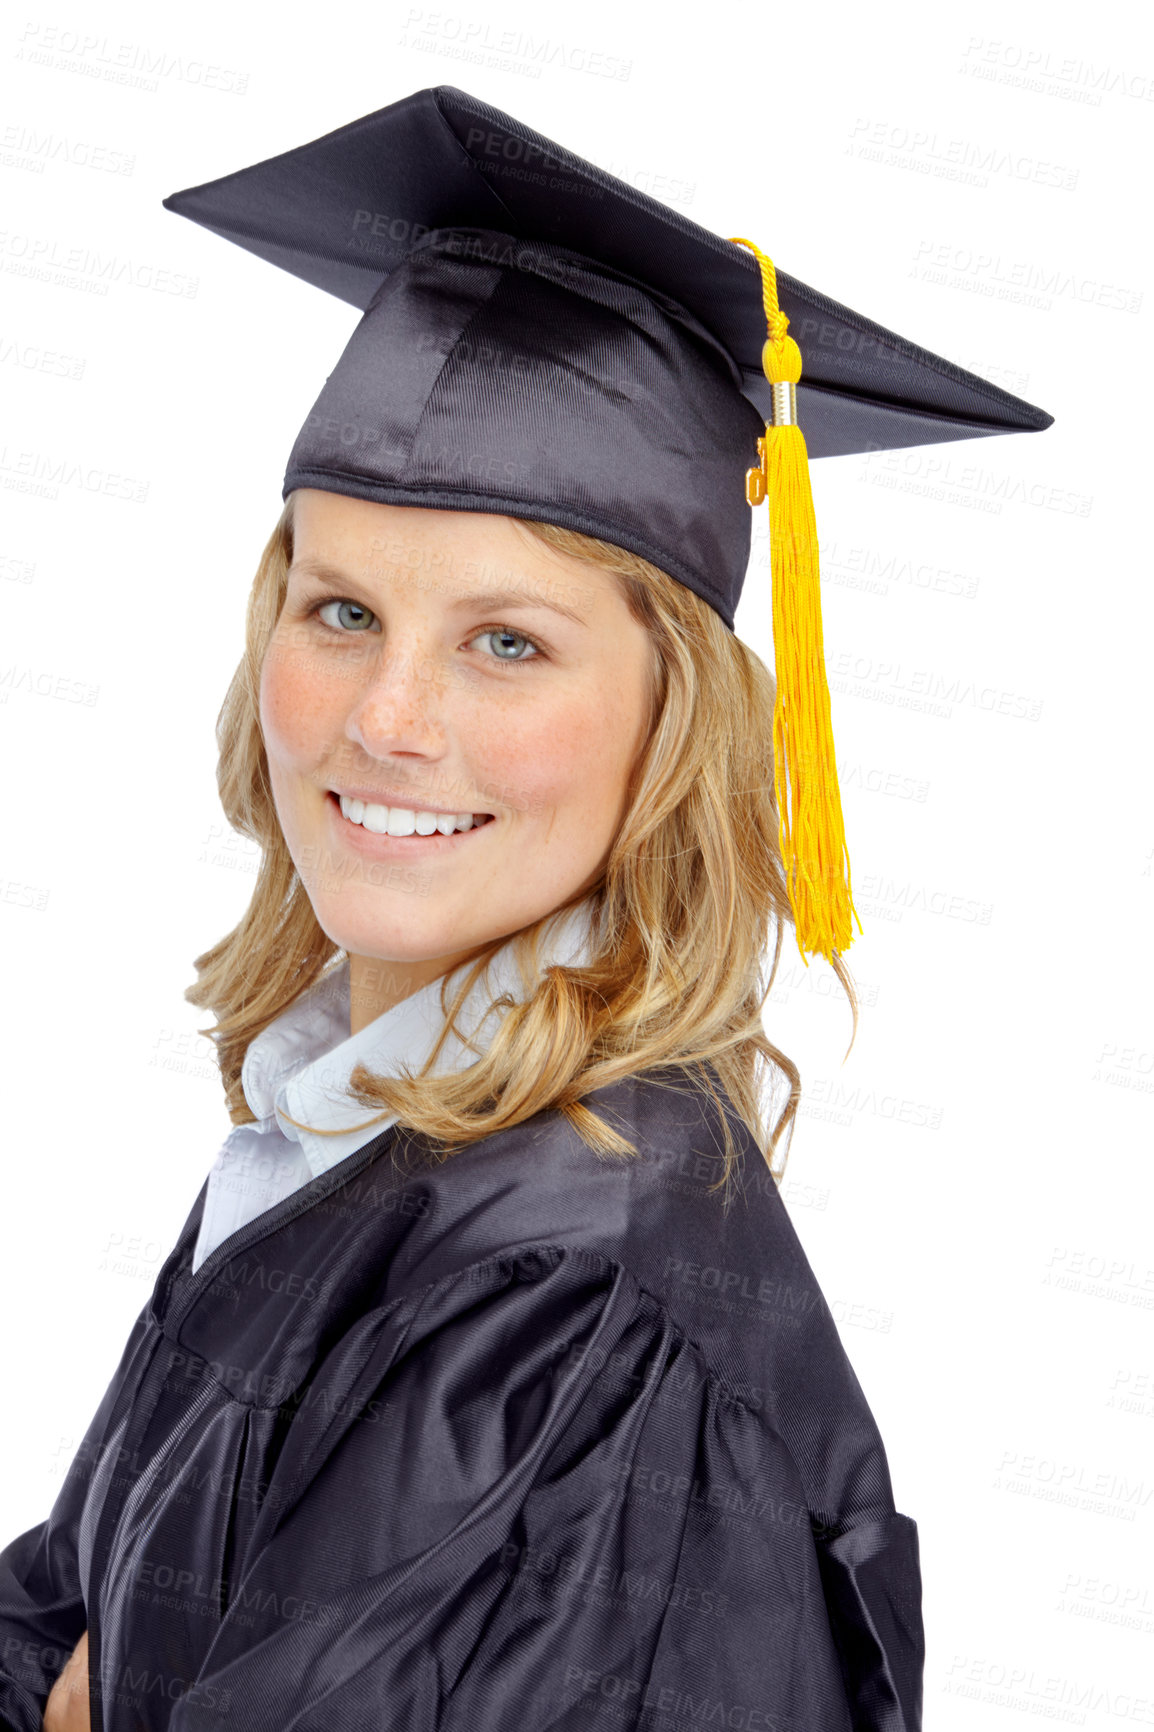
<point x="495" y="598"/>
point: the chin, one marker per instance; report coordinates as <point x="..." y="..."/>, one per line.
<point x="399" y="933"/>
<point x="392" y="939"/>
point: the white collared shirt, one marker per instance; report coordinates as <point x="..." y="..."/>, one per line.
<point x="299" y="1066"/>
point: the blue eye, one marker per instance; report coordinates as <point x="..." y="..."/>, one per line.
<point x="354" y="607"/>
<point x="505" y="633"/>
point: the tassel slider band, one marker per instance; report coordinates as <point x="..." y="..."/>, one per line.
<point x="783" y="412"/>
<point x="784" y="403"/>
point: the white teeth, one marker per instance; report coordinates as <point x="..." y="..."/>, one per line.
<point x="403" y="820"/>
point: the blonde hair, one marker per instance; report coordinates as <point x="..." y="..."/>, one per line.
<point x="691" y="891"/>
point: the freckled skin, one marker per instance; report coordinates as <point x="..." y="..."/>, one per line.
<point x="413" y="693"/>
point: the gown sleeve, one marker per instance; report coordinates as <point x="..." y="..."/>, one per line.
<point x="532" y="1505"/>
<point x="42" y="1571"/>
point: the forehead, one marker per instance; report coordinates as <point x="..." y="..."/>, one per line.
<point x="456" y="556"/>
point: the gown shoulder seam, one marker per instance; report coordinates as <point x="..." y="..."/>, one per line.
<point x="598" y="1259"/>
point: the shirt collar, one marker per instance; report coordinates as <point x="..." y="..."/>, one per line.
<point x="299" y="1066"/>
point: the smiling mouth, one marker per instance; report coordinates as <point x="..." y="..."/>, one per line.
<point x="401" y="821"/>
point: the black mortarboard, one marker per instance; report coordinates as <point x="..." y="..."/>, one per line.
<point x="542" y="340"/>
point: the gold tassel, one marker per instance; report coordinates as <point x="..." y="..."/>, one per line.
<point x="804" y="766"/>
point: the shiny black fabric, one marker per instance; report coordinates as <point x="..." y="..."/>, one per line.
<point x="489" y="375"/>
<point x="529" y="395"/>
<point x="525" y="1439"/>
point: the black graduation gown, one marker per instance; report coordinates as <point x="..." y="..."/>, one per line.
<point x="524" y="1439"/>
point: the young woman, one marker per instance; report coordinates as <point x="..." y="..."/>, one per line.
<point x="487" y="1384"/>
<point x="543" y="1427"/>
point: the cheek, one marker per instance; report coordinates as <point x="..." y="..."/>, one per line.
<point x="563" y="765"/>
<point x="295" y="705"/>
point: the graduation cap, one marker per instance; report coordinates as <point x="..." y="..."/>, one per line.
<point x="540" y="339"/>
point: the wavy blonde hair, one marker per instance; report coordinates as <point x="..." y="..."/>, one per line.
<point x="692" y="891"/>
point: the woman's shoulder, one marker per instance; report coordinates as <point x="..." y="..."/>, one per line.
<point x="674" y="1196"/>
<point x="718" y="1253"/>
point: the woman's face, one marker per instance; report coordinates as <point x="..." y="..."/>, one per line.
<point x="435" y="664"/>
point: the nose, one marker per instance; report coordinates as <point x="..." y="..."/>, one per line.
<point x="400" y="707"/>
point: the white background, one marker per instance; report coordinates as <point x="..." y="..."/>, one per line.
<point x="973" y="1185"/>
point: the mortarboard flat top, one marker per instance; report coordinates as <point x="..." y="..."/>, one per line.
<point x="344" y="210"/>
